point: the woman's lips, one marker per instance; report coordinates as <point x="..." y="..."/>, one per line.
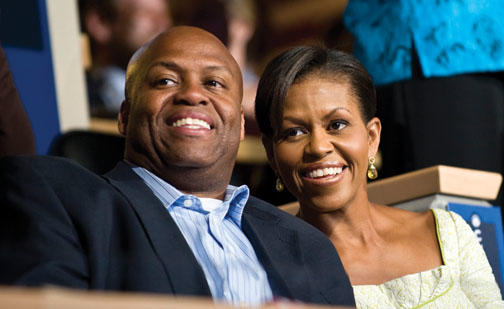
<point x="323" y="172"/>
<point x="324" y="175"/>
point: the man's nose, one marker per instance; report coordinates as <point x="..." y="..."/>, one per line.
<point x="191" y="93"/>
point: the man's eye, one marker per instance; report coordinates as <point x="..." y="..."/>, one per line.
<point x="164" y="82"/>
<point x="214" y="83"/>
<point x="337" y="125"/>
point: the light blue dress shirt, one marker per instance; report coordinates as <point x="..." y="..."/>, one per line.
<point x="450" y="36"/>
<point x="231" y="267"/>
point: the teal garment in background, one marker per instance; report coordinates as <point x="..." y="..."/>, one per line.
<point x="449" y="36"/>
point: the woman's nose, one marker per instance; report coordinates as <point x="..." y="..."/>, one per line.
<point x="320" y="143"/>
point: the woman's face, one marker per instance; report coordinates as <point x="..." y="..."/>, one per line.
<point x="322" y="147"/>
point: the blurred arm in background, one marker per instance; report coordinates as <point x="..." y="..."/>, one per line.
<point x="16" y="135"/>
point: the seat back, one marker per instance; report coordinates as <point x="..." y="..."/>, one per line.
<point x="96" y="151"/>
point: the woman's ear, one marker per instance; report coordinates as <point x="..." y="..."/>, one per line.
<point x="268" y="146"/>
<point x="374" y="131"/>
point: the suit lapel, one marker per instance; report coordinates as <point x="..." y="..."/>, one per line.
<point x="182" y="268"/>
<point x="290" y="269"/>
<point x="277" y="247"/>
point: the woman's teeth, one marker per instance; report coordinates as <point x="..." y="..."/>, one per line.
<point x="321" y="172"/>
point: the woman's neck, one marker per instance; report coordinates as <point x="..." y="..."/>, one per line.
<point x="352" y="225"/>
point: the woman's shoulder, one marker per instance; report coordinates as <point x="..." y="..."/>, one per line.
<point x="453" y="230"/>
<point x="408" y="220"/>
<point x="443" y="225"/>
<point x="444" y="216"/>
<point x="414" y="231"/>
<point x="431" y="219"/>
<point x="451" y="225"/>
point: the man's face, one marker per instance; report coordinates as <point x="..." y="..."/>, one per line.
<point x="184" y="109"/>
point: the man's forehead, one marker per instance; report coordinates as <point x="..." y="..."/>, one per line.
<point x="194" y="47"/>
<point x="186" y="47"/>
<point x="207" y="65"/>
<point x="191" y="48"/>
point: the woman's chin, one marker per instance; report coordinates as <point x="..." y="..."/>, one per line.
<point x="321" y="204"/>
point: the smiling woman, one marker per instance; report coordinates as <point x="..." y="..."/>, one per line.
<point x="315" y="108"/>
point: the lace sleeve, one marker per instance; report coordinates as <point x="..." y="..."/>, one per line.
<point x="476" y="277"/>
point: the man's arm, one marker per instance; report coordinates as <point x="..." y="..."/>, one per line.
<point x="16" y="135"/>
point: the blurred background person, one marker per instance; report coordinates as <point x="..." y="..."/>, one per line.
<point x="438" y="66"/>
<point x="116" y="28"/>
<point x="16" y="135"/>
<point x="241" y="27"/>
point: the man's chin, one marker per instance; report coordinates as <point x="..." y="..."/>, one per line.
<point x="190" y="160"/>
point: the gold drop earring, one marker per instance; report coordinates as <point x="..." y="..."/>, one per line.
<point x="372" y="173"/>
<point x="279" y="186"/>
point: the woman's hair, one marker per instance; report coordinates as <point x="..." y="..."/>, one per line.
<point x="293" y="65"/>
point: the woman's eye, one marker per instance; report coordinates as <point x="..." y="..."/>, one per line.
<point x="292" y="132"/>
<point x="337" y="125"/>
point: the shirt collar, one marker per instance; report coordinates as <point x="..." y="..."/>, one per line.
<point x="234" y="199"/>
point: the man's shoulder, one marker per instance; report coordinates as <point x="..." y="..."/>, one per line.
<point x="257" y="206"/>
<point x="319" y="257"/>
<point x="262" y="209"/>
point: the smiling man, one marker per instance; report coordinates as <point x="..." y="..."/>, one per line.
<point x="183" y="111"/>
<point x="165" y="219"/>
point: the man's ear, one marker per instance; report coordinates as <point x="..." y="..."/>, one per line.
<point x="97" y="27"/>
<point x="122" y="117"/>
<point x="374" y="132"/>
<point x="242" y="127"/>
<point x="268" y="146"/>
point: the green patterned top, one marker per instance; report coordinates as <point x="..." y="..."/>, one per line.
<point x="465" y="280"/>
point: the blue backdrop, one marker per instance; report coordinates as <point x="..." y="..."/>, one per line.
<point x="24" y="34"/>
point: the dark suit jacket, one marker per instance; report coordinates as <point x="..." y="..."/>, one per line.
<point x="63" y="225"/>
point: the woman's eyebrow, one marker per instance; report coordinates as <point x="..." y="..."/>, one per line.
<point x="293" y="119"/>
<point x="335" y="110"/>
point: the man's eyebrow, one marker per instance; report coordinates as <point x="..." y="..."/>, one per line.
<point x="173" y="66"/>
<point x="219" y="68"/>
<point x="166" y="64"/>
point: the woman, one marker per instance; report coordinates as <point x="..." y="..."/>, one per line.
<point x="315" y="108"/>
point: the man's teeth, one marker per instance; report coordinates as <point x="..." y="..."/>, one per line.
<point x="191" y="123"/>
<point x="321" y="172"/>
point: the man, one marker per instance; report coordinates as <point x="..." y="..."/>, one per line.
<point x="165" y="219"/>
